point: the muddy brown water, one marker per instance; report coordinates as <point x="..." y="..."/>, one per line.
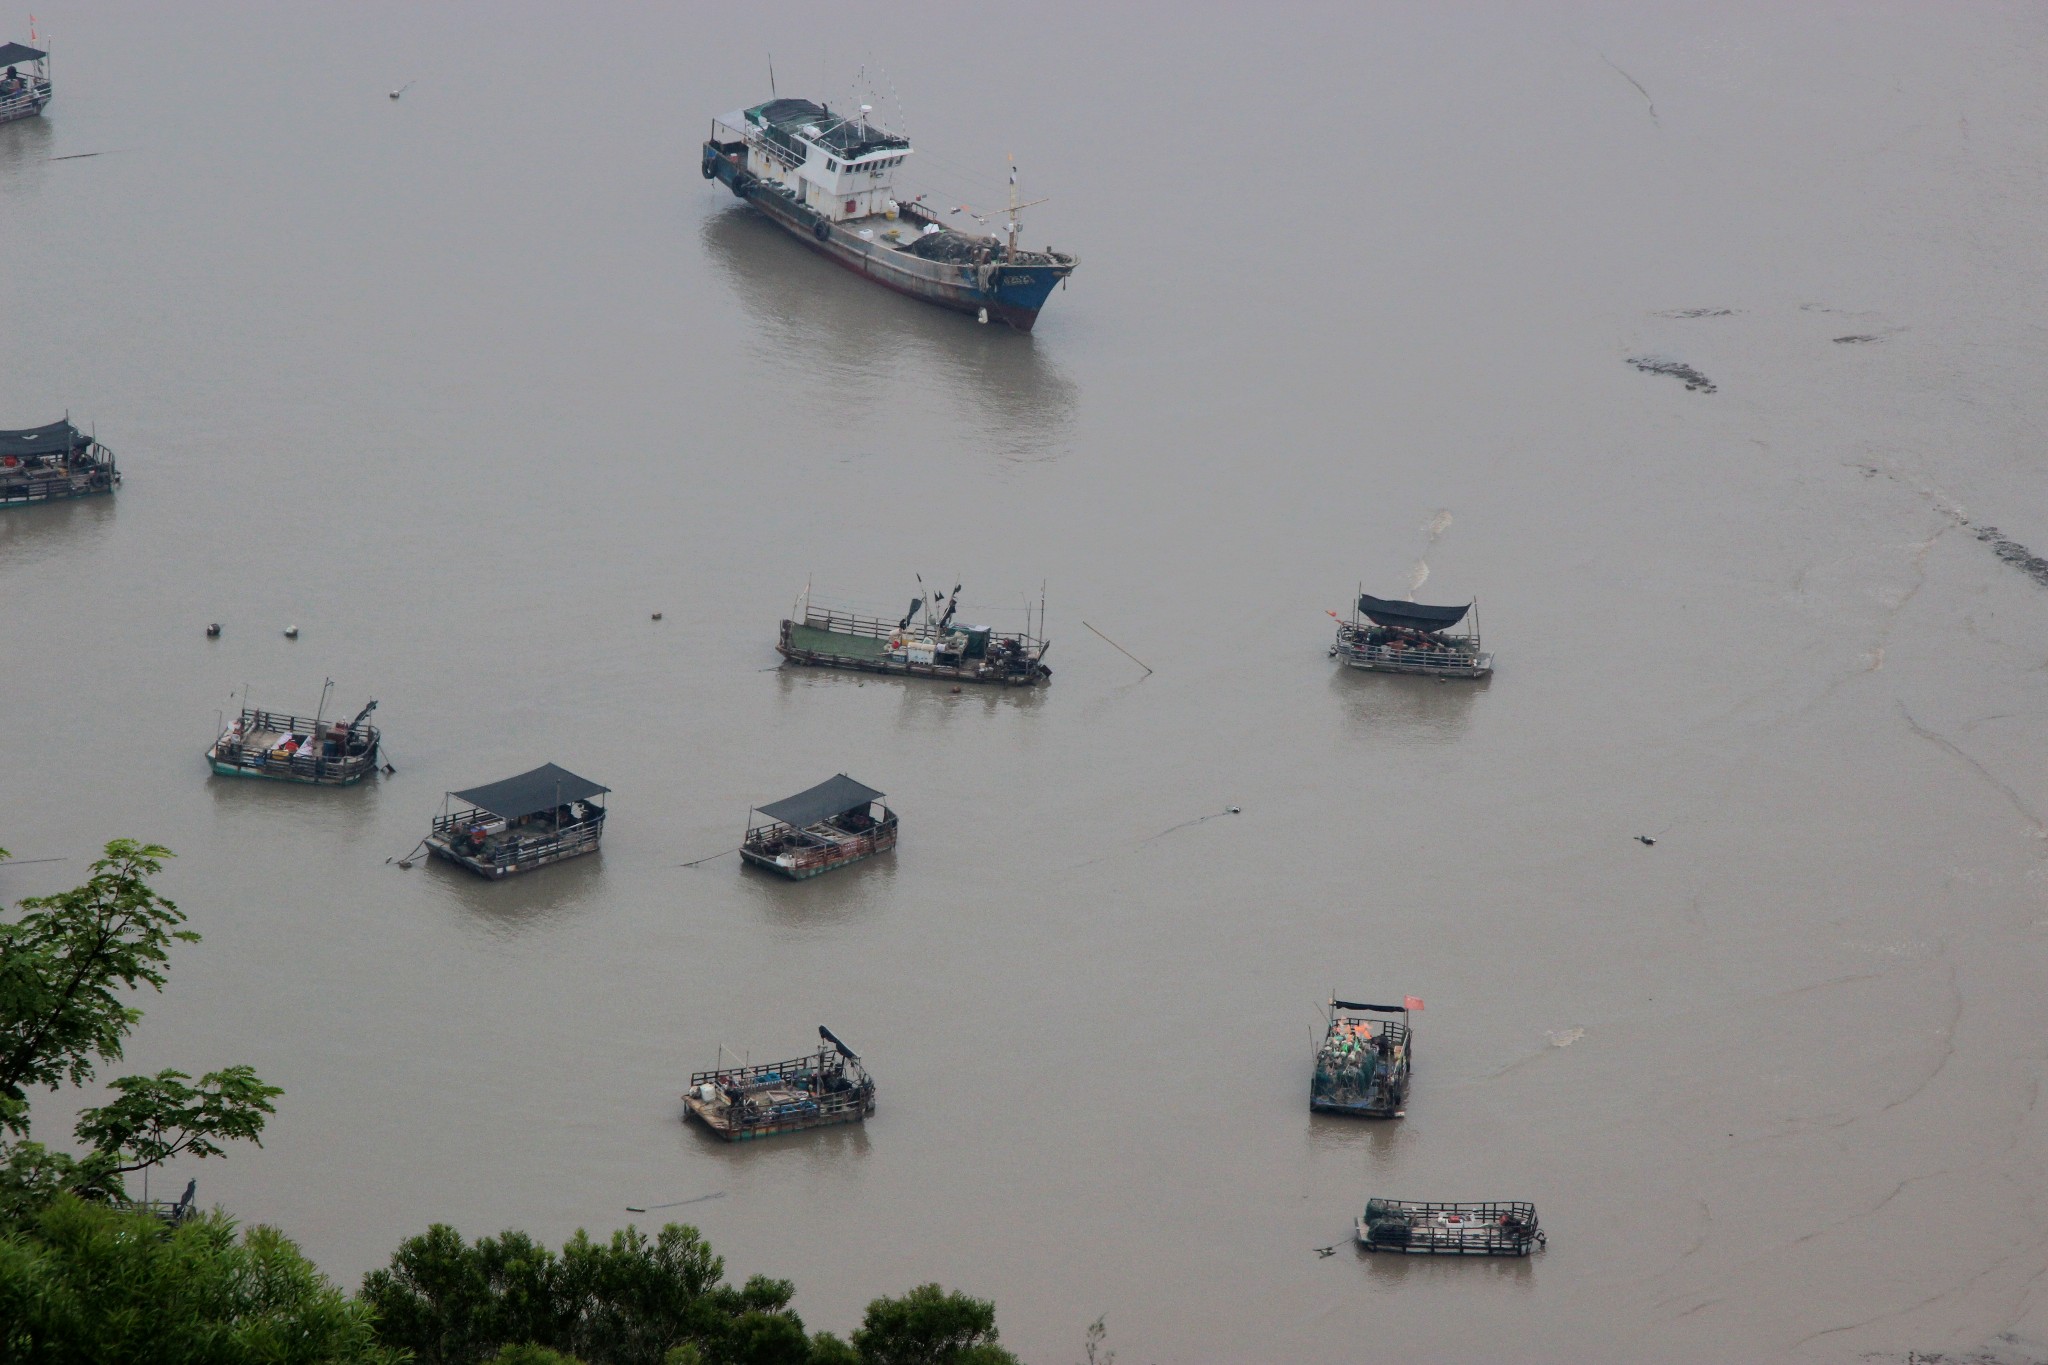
<point x="469" y="384"/>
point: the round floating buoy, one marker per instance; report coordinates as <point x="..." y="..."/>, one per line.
<point x="213" y="631"/>
<point x="291" y="632"/>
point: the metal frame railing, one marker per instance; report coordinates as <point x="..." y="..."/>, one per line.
<point x="519" y="849"/>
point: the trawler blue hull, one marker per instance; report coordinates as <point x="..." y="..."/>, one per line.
<point x="1013" y="294"/>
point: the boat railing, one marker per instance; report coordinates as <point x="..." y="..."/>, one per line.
<point x="544" y="844"/>
<point x="835" y="621"/>
<point x="1453" y="658"/>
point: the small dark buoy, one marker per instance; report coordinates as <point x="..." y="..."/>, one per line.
<point x="405" y="864"/>
<point x="1237" y="810"/>
<point x="657" y="616"/>
<point x="389" y="770"/>
<point x="1326" y="1251"/>
<point x="1645" y="840"/>
<point x="291" y="632"/>
<point x="213" y="631"/>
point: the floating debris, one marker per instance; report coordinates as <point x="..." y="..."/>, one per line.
<point x="213" y="631"/>
<point x="1676" y="369"/>
<point x="657" y="616"/>
<point x="1647" y="841"/>
<point x="291" y="632"/>
<point x="1565" y="1037"/>
<point x="2012" y="552"/>
<point x="1697" y="313"/>
<point x="1858" y="339"/>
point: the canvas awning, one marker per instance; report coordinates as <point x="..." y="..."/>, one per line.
<point x="1358" y="1005"/>
<point x="833" y="796"/>
<point x="13" y="54"/>
<point x="55" y="438"/>
<point x="1413" y="615"/>
<point x="545" y="788"/>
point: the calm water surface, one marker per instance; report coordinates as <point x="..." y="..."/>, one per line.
<point x="468" y="385"/>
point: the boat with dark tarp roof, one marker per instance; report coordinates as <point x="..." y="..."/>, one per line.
<point x="837" y="822"/>
<point x="743" y="1102"/>
<point x="54" y="462"/>
<point x="1409" y="637"/>
<point x="524" y="822"/>
<point x="829" y="180"/>
<point x="23" y="93"/>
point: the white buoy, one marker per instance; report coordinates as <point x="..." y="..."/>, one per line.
<point x="983" y="317"/>
<point x="291" y="632"/>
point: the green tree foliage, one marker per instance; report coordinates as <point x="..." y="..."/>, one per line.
<point x="627" y="1301"/>
<point x="930" y="1326"/>
<point x="85" y="1284"/>
<point x="68" y="964"/>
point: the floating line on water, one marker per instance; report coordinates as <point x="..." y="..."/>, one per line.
<point x="649" y="1208"/>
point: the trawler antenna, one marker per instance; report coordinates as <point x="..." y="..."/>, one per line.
<point x="1013" y="206"/>
<point x="771" y="77"/>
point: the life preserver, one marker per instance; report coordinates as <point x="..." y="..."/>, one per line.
<point x="710" y="168"/>
<point x="822" y="230"/>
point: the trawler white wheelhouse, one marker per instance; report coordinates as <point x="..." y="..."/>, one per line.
<point x="831" y="181"/>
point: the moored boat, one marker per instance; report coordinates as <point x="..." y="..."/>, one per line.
<point x="829" y="180"/>
<point x="1363" y="1065"/>
<point x="54" y="462"/>
<point x="1408" y="637"/>
<point x="925" y="643"/>
<point x="744" y="1102"/>
<point x="837" y="822"/>
<point x="24" y="80"/>
<point x="524" y="822"/>
<point x="286" y="748"/>
<point x="1429" y="1229"/>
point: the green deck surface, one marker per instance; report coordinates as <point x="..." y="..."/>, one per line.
<point x="812" y="641"/>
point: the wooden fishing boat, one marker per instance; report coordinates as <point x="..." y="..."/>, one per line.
<point x="24" y="80"/>
<point x="926" y="643"/>
<point x="1363" y="1065"/>
<point x="837" y="822"/>
<point x="524" y="822"/>
<point x="315" y="750"/>
<point x="52" y="463"/>
<point x="1408" y="637"/>
<point x="744" y="1102"/>
<point x="1421" y="1229"/>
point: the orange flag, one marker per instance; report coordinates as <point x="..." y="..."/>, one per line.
<point x="1412" y="1003"/>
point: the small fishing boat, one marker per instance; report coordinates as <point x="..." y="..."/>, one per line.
<point x="1420" y="1229"/>
<point x="837" y="822"/>
<point x="829" y="180"/>
<point x="524" y="822"/>
<point x="54" y="462"/>
<point x="24" y="80"/>
<point x="1408" y="637"/>
<point x="315" y="750"/>
<point x="926" y="643"/>
<point x="1363" y="1064"/>
<point x="740" y="1103"/>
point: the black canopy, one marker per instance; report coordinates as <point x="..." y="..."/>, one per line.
<point x="833" y="796"/>
<point x="52" y="439"/>
<point x="1413" y="615"/>
<point x="530" y="793"/>
<point x="1355" y="1005"/>
<point x="14" y="53"/>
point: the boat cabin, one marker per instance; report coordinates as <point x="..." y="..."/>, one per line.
<point x="838" y="167"/>
<point x="316" y="750"/>
<point x="1427" y="1229"/>
<point x="1408" y="637"/>
<point x="743" y="1102"/>
<point x="24" y="81"/>
<point x="1362" y="1065"/>
<point x="521" y="823"/>
<point x="837" y="822"/>
<point x="50" y="463"/>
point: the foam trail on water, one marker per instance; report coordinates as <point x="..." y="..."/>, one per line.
<point x="1433" y="531"/>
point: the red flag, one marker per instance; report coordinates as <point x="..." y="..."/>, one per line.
<point x="1412" y="1003"/>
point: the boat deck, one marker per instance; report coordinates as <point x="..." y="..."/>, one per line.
<point x="811" y="640"/>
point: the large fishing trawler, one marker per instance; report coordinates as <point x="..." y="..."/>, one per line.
<point x="830" y="180"/>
